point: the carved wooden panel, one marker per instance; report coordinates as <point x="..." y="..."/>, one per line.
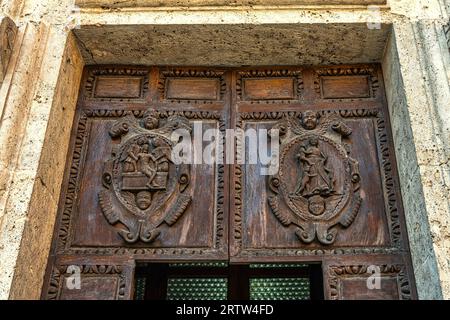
<point x="335" y="195"/>
<point x="333" y="199"/>
<point x="134" y="199"/>
<point x="328" y="194"/>
<point x="90" y="279"/>
<point x="373" y="278"/>
<point x="124" y="194"/>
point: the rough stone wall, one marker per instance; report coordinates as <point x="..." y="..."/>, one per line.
<point x="405" y="113"/>
<point x="39" y="97"/>
<point x="423" y="153"/>
<point x="39" y="91"/>
<point x="56" y="123"/>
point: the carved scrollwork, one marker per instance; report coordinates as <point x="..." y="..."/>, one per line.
<point x="317" y="186"/>
<point x="143" y="188"/>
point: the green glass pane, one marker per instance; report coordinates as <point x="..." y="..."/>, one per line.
<point x="278" y="265"/>
<point x="197" y="289"/>
<point x="279" y="289"/>
<point x="200" y="264"/>
<point x="139" y="290"/>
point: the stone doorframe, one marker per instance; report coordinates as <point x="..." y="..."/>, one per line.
<point x="40" y="89"/>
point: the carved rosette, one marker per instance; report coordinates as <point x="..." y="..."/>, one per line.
<point x="143" y="187"/>
<point x="317" y="185"/>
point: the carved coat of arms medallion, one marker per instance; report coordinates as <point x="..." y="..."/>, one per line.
<point x="317" y="186"/>
<point x="143" y="188"/>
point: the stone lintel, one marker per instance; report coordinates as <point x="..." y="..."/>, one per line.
<point x="220" y="3"/>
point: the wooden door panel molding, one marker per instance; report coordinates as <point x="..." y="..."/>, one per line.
<point x="124" y="84"/>
<point x="91" y="279"/>
<point x="93" y="201"/>
<point x="377" y="226"/>
<point x="368" y="278"/>
<point x="189" y="85"/>
<point x="343" y="84"/>
<point x="269" y="85"/>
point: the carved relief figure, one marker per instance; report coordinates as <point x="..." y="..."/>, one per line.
<point x="317" y="178"/>
<point x="325" y="190"/>
<point x="146" y="165"/>
<point x="131" y="158"/>
<point x="143" y="187"/>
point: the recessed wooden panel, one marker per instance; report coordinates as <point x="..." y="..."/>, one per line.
<point x="368" y="278"/>
<point x="357" y="289"/>
<point x="269" y="89"/>
<point x="118" y="87"/>
<point x="192" y="89"/>
<point x="345" y="87"/>
<point x="90" y="278"/>
<point x="94" y="288"/>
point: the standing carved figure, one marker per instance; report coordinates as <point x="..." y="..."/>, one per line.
<point x="131" y="158"/>
<point x="317" y="178"/>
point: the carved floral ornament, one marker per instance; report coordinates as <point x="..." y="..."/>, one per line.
<point x="143" y="187"/>
<point x="317" y="185"/>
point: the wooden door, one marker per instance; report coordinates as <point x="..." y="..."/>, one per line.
<point x="334" y="198"/>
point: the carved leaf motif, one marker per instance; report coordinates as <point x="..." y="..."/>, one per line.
<point x="283" y="217"/>
<point x="178" y="209"/>
<point x="347" y="219"/>
<point x="107" y="207"/>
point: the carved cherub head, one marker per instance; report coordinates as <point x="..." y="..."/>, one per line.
<point x="310" y="120"/>
<point x="150" y="120"/>
<point x="143" y="199"/>
<point x="316" y="205"/>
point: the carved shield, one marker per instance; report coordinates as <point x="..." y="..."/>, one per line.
<point x="144" y="188"/>
<point x="317" y="186"/>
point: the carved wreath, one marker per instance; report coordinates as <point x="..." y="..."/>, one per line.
<point x="143" y="187"/>
<point x="317" y="185"/>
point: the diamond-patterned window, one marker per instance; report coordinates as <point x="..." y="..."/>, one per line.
<point x="220" y="281"/>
